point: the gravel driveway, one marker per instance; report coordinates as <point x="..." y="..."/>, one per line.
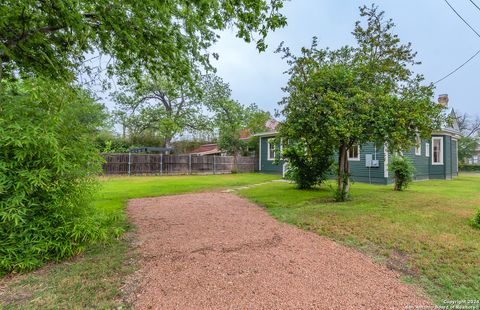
<point x="219" y="251"/>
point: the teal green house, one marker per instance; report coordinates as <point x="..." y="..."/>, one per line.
<point x="434" y="158"/>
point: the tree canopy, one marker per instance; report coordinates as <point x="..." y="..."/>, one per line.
<point x="51" y="38"/>
<point x="353" y="95"/>
<point x="231" y="117"/>
<point x="158" y="104"/>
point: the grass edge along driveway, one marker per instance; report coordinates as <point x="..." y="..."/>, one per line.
<point x="95" y="278"/>
<point x="423" y="232"/>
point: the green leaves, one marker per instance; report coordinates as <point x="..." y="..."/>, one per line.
<point x="402" y="169"/>
<point x="231" y="117"/>
<point x="353" y="95"/>
<point x="48" y="167"/>
<point x="51" y="38"/>
<point x="466" y="148"/>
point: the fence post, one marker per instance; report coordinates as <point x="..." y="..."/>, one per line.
<point x="129" y="162"/>
<point x="161" y="164"/>
<point x="189" y="163"/>
<point x="213" y="164"/>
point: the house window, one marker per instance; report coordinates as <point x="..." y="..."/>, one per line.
<point x="437" y="151"/>
<point x="354" y="152"/>
<point x="427" y="149"/>
<point x="418" y="147"/>
<point x="271" y="151"/>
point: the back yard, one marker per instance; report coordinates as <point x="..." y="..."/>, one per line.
<point x="423" y="233"/>
<point x="95" y="279"/>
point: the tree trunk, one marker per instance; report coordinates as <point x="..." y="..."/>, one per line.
<point x="168" y="142"/>
<point x="341" y="155"/>
<point x="343" y="177"/>
<point x="347" y="176"/>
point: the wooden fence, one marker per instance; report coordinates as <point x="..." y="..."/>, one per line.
<point x="158" y="164"/>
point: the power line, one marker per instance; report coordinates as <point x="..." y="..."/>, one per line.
<point x="473" y="29"/>
<point x="475" y="4"/>
<point x="459" y="67"/>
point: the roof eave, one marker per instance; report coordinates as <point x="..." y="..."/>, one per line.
<point x="266" y="134"/>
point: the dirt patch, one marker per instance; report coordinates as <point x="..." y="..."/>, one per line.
<point x="217" y="250"/>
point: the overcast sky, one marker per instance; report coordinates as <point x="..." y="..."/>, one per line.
<point x="441" y="39"/>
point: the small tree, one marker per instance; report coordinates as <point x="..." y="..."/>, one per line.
<point x="231" y="117"/>
<point x="343" y="98"/>
<point x="304" y="169"/>
<point x="466" y="148"/>
<point x="402" y="169"/>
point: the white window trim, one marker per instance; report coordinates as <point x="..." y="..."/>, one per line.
<point x="281" y="148"/>
<point x="354" y="158"/>
<point x="260" y="154"/>
<point x="456" y="151"/>
<point x="268" y="151"/>
<point x="385" y="163"/>
<point x="441" y="151"/>
<point x="427" y="149"/>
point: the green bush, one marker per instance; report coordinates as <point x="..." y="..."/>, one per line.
<point x="305" y="170"/>
<point x="469" y="168"/>
<point x="476" y="220"/>
<point x="48" y="168"/>
<point x="402" y="169"/>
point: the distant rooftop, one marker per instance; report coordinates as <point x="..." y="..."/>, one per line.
<point x="149" y="149"/>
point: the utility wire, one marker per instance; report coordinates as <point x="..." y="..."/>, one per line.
<point x="475" y="4"/>
<point x="453" y="9"/>
<point x="473" y="29"/>
<point x="459" y="67"/>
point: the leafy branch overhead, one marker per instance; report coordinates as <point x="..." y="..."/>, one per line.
<point x="52" y="37"/>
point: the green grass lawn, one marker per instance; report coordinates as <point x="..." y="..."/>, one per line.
<point x="94" y="279"/>
<point x="423" y="232"/>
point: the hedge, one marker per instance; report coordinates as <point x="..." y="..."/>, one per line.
<point x="469" y="168"/>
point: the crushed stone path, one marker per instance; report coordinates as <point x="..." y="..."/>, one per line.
<point x="219" y="251"/>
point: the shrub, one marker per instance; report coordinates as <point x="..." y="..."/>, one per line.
<point x="469" y="167"/>
<point x="476" y="220"/>
<point x="48" y="167"/>
<point x="402" y="169"/>
<point x="305" y="170"/>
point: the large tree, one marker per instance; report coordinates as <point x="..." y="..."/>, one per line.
<point x="160" y="106"/>
<point x="353" y="95"/>
<point x="52" y="37"/>
<point x="468" y="125"/>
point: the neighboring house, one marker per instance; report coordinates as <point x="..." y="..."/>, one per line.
<point x="435" y="158"/>
<point x="475" y="160"/>
<point x="207" y="149"/>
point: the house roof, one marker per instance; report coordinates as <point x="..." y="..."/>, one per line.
<point x="245" y="134"/>
<point x="272" y="124"/>
<point x="451" y="129"/>
<point x="266" y="134"/>
<point x="206" y="149"/>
